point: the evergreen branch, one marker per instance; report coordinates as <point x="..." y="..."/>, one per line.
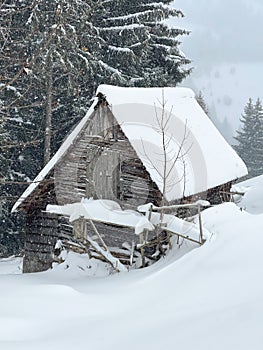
<point x="32" y="61"/>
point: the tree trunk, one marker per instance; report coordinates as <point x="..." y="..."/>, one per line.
<point x="47" y="147"/>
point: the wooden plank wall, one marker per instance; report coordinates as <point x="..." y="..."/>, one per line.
<point x="103" y="164"/>
<point x="41" y="237"/>
<point x="41" y="228"/>
<point x="100" y="164"/>
<point x="114" y="236"/>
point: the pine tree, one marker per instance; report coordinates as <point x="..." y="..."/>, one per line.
<point x="61" y="51"/>
<point x="257" y="146"/>
<point x="55" y="54"/>
<point x="65" y="61"/>
<point x="134" y="32"/>
<point x="250" y="138"/>
<point x="9" y="225"/>
<point x="67" y="48"/>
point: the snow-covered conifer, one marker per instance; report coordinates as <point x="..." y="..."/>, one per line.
<point x="250" y="137"/>
<point x="140" y="46"/>
<point x="54" y="54"/>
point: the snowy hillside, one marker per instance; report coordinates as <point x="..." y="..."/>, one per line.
<point x="226" y="89"/>
<point x="209" y="298"/>
<point x="226" y="54"/>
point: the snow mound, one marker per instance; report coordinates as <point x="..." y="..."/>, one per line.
<point x="252" y="201"/>
<point x="80" y="265"/>
<point x="104" y="211"/>
<point x="11" y="265"/>
<point x="210" y="298"/>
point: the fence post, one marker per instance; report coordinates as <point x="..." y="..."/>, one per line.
<point x="200" y="225"/>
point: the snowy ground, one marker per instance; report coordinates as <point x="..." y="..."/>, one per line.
<point x="252" y="201"/>
<point x="207" y="299"/>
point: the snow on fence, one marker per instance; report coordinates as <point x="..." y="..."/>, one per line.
<point x="154" y="218"/>
<point x="175" y="225"/>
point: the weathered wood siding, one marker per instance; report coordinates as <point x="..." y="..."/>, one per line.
<point x="100" y="164"/>
<point x="220" y="193"/>
<point x="113" y="236"/>
<point x="41" y="237"/>
<point x="103" y="164"/>
<point x="41" y="229"/>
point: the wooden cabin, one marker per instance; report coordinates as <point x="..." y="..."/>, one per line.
<point x="134" y="146"/>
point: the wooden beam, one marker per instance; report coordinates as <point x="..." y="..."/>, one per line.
<point x="233" y="193"/>
<point x="200" y="225"/>
<point x="182" y="236"/>
<point x="97" y="233"/>
<point x="178" y="206"/>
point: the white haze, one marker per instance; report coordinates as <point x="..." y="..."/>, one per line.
<point x="226" y="49"/>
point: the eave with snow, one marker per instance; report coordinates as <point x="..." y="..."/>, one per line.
<point x="121" y="151"/>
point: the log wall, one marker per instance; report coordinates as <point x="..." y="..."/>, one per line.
<point x="102" y="164"/>
<point x="41" y="229"/>
<point x="41" y="237"/>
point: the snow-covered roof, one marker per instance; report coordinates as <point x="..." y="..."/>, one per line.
<point x="103" y="211"/>
<point x="203" y="158"/>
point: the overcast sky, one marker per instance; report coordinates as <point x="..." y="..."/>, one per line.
<point x="226" y="50"/>
<point x="223" y="30"/>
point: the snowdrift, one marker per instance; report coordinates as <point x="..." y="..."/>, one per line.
<point x="211" y="298"/>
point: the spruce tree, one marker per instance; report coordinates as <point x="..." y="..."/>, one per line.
<point x="10" y="243"/>
<point x="250" y="138"/>
<point x="139" y="46"/>
<point x="67" y="48"/>
<point x="257" y="147"/>
<point x="55" y="54"/>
